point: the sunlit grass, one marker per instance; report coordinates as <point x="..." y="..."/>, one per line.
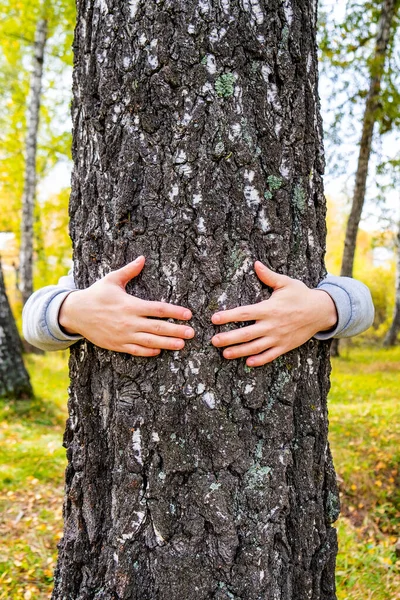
<point x="364" y="432"/>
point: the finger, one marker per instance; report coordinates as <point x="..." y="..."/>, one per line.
<point x="253" y="347"/>
<point x="252" y="312"/>
<point x="265" y="357"/>
<point x="270" y="278"/>
<point x="157" y="341"/>
<point x="237" y="336"/>
<point x="148" y="308"/>
<point x="137" y="350"/>
<point x="164" y="328"/>
<point x="122" y="276"/>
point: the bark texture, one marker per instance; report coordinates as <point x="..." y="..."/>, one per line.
<point x="391" y="336"/>
<point x="14" y="378"/>
<point x="369" y="119"/>
<point x="28" y="198"/>
<point x="197" y="142"/>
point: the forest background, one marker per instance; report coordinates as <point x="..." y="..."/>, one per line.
<point x="364" y="409"/>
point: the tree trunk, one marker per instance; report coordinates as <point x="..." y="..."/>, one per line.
<point x="370" y="114"/>
<point x="28" y="198"/>
<point x="197" y="142"/>
<point x="391" y="336"/>
<point x="14" y="378"/>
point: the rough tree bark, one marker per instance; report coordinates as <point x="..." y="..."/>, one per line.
<point x="369" y="119"/>
<point x="28" y="198"/>
<point x="14" y="378"/>
<point x="197" y="142"/>
<point x="391" y="336"/>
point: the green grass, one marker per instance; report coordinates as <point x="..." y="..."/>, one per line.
<point x="364" y="420"/>
<point x="364" y="433"/>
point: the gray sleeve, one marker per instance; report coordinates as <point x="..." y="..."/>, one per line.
<point x="354" y="306"/>
<point x="40" y="316"/>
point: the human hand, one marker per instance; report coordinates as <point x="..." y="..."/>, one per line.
<point x="290" y="317"/>
<point x="112" y="319"/>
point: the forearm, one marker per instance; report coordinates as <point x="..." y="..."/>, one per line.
<point x="40" y="317"/>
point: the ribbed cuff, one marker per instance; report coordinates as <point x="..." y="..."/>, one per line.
<point x="343" y="308"/>
<point x="53" y="326"/>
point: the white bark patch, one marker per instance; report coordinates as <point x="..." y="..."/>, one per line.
<point x="197" y="198"/>
<point x="133" y="5"/>
<point x="184" y="170"/>
<point x="180" y="157"/>
<point x="265" y="225"/>
<point x="173" y="193"/>
<point x="139" y="520"/>
<point x="211" y="64"/>
<point x="221" y="300"/>
<point x="115" y="556"/>
<point x="209" y="399"/>
<point x="253" y="7"/>
<point x="155" y="437"/>
<point x="152" y="58"/>
<point x="200" y="388"/>
<point x="261" y="576"/>
<point x="252" y="196"/>
<point x="226" y="6"/>
<point x="142" y="39"/>
<point x="310" y="363"/>
<point x="245" y="268"/>
<point x="159" y="538"/>
<point x="249" y="388"/>
<point x="136" y="444"/>
<point x="170" y="273"/>
<point x="204" y="6"/>
<point x="191" y="29"/>
<point x="103" y="6"/>
<point x="200" y="226"/>
<point x="287" y="7"/>
<point x="193" y="369"/>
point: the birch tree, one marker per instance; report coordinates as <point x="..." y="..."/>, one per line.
<point x="197" y="142"/>
<point x="14" y="378"/>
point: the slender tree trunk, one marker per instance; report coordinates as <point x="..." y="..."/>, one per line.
<point x="197" y="142"/>
<point x="391" y="336"/>
<point x="369" y="119"/>
<point x="28" y="199"/>
<point x="370" y="114"/>
<point x="14" y="378"/>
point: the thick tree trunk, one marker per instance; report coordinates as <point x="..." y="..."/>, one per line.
<point x="391" y="336"/>
<point x="369" y="119"/>
<point x="197" y="142"/>
<point x="28" y="198"/>
<point x="14" y="378"/>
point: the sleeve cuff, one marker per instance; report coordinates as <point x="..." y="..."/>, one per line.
<point x="343" y="307"/>
<point x="51" y="316"/>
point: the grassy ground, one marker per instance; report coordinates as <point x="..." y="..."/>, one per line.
<point x="365" y="435"/>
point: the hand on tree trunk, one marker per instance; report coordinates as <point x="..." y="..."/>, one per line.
<point x="112" y="319"/>
<point x="290" y="317"/>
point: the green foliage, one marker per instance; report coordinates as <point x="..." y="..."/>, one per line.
<point x="18" y="20"/>
<point x="224" y="85"/>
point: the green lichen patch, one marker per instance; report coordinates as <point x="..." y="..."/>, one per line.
<point x="224" y="85"/>
<point x="267" y="195"/>
<point x="257" y="476"/>
<point x="299" y="197"/>
<point x="274" y="182"/>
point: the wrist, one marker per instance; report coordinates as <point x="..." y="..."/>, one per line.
<point x="326" y="311"/>
<point x="67" y="312"/>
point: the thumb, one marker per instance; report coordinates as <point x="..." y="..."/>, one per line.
<point x="122" y="276"/>
<point x="270" y="278"/>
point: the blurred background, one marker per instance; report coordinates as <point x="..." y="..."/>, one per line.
<point x="360" y="101"/>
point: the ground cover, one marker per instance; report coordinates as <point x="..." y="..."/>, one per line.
<point x="364" y="432"/>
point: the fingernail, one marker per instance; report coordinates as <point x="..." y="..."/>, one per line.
<point x="216" y="318"/>
<point x="228" y="353"/>
<point x="250" y="362"/>
<point x="214" y="340"/>
<point x="139" y="258"/>
<point x="187" y="314"/>
<point x="189" y="332"/>
<point x="179" y="344"/>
